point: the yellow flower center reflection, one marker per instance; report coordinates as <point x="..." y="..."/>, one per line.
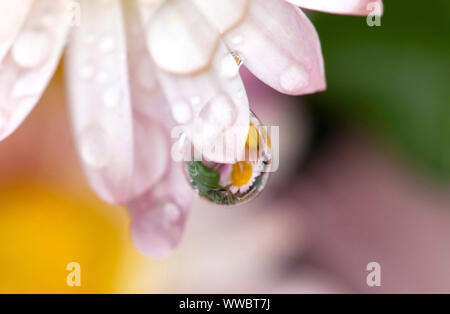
<point x="253" y="138"/>
<point x="241" y="173"/>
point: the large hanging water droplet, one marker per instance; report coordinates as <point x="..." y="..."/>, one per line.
<point x="237" y="183"/>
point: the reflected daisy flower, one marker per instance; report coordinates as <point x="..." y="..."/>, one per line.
<point x="136" y="68"/>
<point x="240" y="176"/>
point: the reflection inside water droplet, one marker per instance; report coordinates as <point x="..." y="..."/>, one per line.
<point x="239" y="182"/>
<point x="293" y="78"/>
<point x="217" y="115"/>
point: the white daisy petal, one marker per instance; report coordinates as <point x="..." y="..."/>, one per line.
<point x="12" y="16"/>
<point x="351" y="7"/>
<point x="159" y="216"/>
<point x="224" y="14"/>
<point x="99" y="94"/>
<point x="280" y="46"/>
<point x="179" y="39"/>
<point x="151" y="114"/>
<point x="210" y="102"/>
<point x="31" y="62"/>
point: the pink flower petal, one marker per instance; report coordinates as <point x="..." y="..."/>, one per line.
<point x="99" y="94"/>
<point x="179" y="39"/>
<point x="211" y="102"/>
<point x="159" y="216"/>
<point x="12" y="16"/>
<point x="224" y="14"/>
<point x="31" y="61"/>
<point x="280" y="46"/>
<point x="349" y="7"/>
<point x="151" y="114"/>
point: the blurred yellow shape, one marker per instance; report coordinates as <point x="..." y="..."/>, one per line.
<point x="42" y="231"/>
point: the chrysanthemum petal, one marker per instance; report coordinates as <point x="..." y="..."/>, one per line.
<point x="280" y="46"/>
<point x="31" y="61"/>
<point x="211" y="102"/>
<point x="349" y="7"/>
<point x="99" y="94"/>
<point x="12" y="16"/>
<point x="159" y="216"/>
<point x="151" y="113"/>
<point x="179" y="39"/>
<point x="224" y="14"/>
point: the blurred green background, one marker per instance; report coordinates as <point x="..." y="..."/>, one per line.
<point x="392" y="80"/>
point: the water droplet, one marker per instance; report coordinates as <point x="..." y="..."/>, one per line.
<point x="241" y="93"/>
<point x="94" y="148"/>
<point x="107" y="44"/>
<point x="86" y="71"/>
<point x="31" y="48"/>
<point x="230" y="65"/>
<point x="294" y="78"/>
<point x="196" y="100"/>
<point x="172" y="213"/>
<point x="112" y="97"/>
<point x="218" y="114"/>
<point x="237" y="183"/>
<point x="236" y="40"/>
<point x="158" y="228"/>
<point x="220" y="110"/>
<point x="181" y="112"/>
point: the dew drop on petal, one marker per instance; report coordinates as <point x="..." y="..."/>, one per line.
<point x="230" y="65"/>
<point x="220" y="110"/>
<point x="86" y="71"/>
<point x="218" y="114"/>
<point x="294" y="78"/>
<point x="30" y="48"/>
<point x="25" y="86"/>
<point x="157" y="229"/>
<point x="106" y="44"/>
<point x="112" y="97"/>
<point x="196" y="100"/>
<point x="94" y="147"/>
<point x="241" y="93"/>
<point x="237" y="183"/>
<point x="181" y="112"/>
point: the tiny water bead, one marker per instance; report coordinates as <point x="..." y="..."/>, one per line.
<point x="239" y="182"/>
